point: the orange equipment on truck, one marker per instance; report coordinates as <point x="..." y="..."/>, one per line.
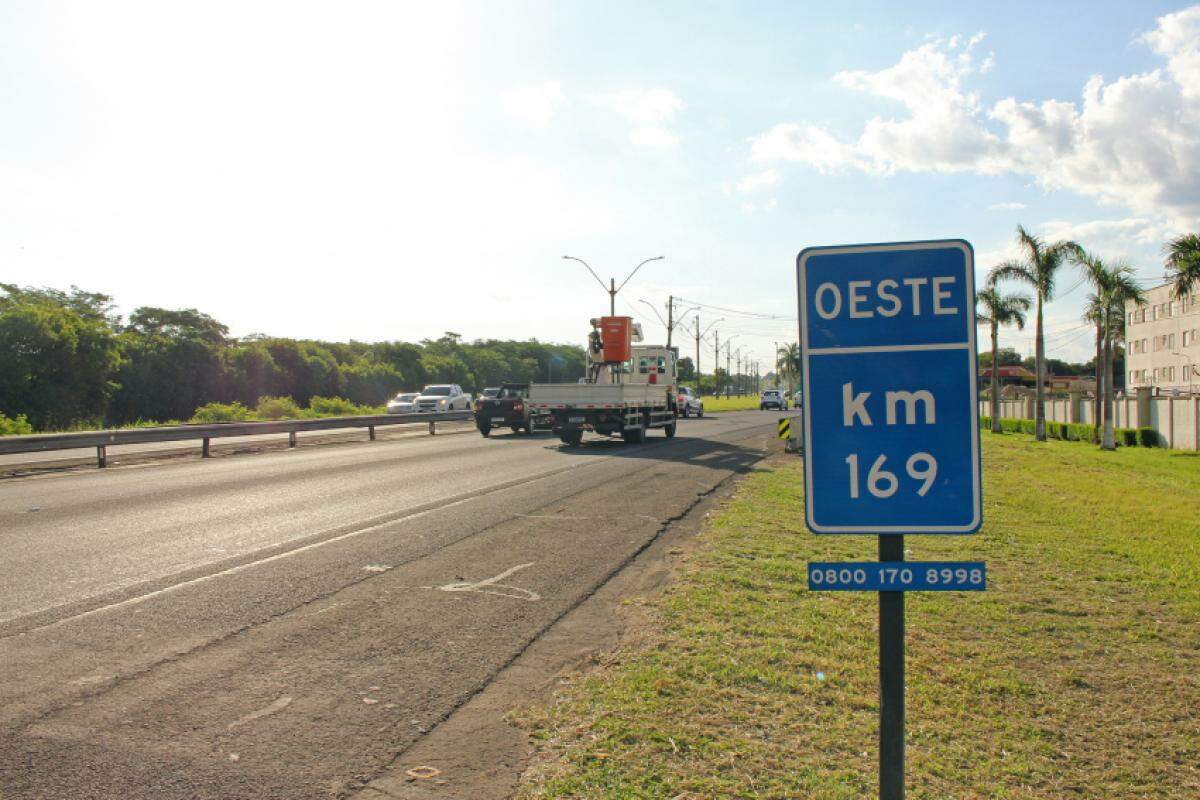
<point x="616" y="337"/>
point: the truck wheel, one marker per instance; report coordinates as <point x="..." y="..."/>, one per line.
<point x="571" y="438"/>
<point x="636" y="436"/>
<point x="485" y="430"/>
<point x="515" y="428"/>
<point x="670" y="430"/>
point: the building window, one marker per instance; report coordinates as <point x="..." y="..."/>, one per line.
<point x="1171" y="341"/>
<point x="1185" y="338"/>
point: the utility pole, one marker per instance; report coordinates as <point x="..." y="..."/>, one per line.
<point x="670" y="318"/>
<point x="727" y="366"/>
<point x="716" y="362"/>
<point x="741" y="384"/>
<point x="697" y="355"/>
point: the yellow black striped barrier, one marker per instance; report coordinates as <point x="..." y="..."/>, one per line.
<point x="785" y="428"/>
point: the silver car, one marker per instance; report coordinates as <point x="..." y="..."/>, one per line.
<point x="403" y="403"/>
<point x="688" y="404"/>
<point x="443" y="397"/>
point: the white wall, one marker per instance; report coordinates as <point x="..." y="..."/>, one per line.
<point x="1177" y="419"/>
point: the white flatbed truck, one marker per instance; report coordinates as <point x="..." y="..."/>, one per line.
<point x="625" y="399"/>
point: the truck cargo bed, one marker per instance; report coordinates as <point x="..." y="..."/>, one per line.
<point x="597" y="395"/>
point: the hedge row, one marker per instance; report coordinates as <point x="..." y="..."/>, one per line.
<point x="1077" y="432"/>
<point x="270" y="408"/>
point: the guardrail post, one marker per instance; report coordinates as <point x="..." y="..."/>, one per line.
<point x="101" y="456"/>
<point x="291" y="438"/>
<point x="204" y="448"/>
<point x="371" y="432"/>
<point x="432" y="429"/>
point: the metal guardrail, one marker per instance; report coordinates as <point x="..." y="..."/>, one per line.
<point x="101" y="440"/>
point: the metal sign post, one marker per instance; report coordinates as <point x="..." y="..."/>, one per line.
<point x="887" y="341"/>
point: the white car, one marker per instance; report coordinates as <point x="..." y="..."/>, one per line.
<point x="443" y="397"/>
<point x="403" y="403"/>
<point x="773" y="398"/>
<point x="798" y="399"/>
<point x="688" y="404"/>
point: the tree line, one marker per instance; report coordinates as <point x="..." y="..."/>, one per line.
<point x="68" y="360"/>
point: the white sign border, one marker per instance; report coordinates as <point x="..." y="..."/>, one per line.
<point x="801" y="286"/>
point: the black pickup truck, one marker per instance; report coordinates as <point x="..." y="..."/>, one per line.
<point x="508" y="409"/>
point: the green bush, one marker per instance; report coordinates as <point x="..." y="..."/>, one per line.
<point x="14" y="427"/>
<point x="337" y="407"/>
<point x="1148" y="437"/>
<point x="278" y="408"/>
<point x="1126" y="437"/>
<point x="151" y="423"/>
<point x="221" y="412"/>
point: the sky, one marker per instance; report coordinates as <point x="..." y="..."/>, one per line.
<point x="380" y="171"/>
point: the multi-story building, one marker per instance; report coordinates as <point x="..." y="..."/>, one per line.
<point x="1161" y="348"/>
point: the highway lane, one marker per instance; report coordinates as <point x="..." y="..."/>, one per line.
<point x="285" y="624"/>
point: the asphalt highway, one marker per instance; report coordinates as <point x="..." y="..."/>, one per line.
<point x="286" y="624"/>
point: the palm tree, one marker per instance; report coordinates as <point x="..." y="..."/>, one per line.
<point x="1117" y="288"/>
<point x="1114" y="286"/>
<point x="1094" y="314"/>
<point x="1000" y="309"/>
<point x="1183" y="263"/>
<point x="787" y="363"/>
<point x="1097" y="273"/>
<point x="1038" y="270"/>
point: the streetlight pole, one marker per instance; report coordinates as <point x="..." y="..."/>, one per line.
<point x="699" y="335"/>
<point x="612" y="287"/>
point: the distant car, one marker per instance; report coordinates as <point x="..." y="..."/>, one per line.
<point x="688" y="404"/>
<point x="773" y="398"/>
<point x="798" y="399"/>
<point x="443" y="397"/>
<point x="403" y="403"/>
<point x="489" y="393"/>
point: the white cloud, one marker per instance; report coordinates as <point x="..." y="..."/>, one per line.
<point x="650" y="111"/>
<point x="1110" y="237"/>
<point x="653" y="137"/>
<point x="1133" y="141"/>
<point x="805" y="143"/>
<point x="1006" y="206"/>
<point x="536" y="105"/>
<point x="758" y="181"/>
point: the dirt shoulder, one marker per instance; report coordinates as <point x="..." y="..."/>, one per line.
<point x="481" y="750"/>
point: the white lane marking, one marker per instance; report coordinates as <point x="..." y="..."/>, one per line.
<point x="278" y="705"/>
<point x="377" y="567"/>
<point x="493" y="586"/>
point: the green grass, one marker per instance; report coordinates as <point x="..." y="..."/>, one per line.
<point x="1076" y="675"/>
<point x="730" y="403"/>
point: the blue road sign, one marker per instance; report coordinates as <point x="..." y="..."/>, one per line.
<point x="898" y="576"/>
<point x="891" y="423"/>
